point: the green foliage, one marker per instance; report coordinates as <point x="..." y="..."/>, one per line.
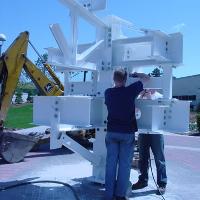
<point x="20" y="117"/>
<point x="198" y="122"/>
<point x="156" y="72"/>
<point x="39" y="62"/>
<point x="30" y="96"/>
<point x="28" y="87"/>
<point x="198" y="108"/>
<point x="18" y="98"/>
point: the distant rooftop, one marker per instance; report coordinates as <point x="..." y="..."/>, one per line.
<point x="195" y="75"/>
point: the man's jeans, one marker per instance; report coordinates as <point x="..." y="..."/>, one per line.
<point x="120" y="148"/>
<point x="156" y="143"/>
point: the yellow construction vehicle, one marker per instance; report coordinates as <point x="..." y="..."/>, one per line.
<point x="11" y="64"/>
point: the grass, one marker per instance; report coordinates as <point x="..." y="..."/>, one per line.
<point x="20" y="116"/>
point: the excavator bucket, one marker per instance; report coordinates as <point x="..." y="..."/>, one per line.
<point x="14" y="146"/>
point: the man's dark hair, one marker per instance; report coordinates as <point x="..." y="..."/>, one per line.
<point x="120" y="75"/>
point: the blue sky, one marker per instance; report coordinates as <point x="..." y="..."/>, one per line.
<point x="169" y="16"/>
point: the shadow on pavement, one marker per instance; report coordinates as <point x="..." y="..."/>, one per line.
<point x="55" y="152"/>
<point x="43" y="152"/>
<point x="36" y="191"/>
<point x="92" y="191"/>
<point x="143" y="193"/>
<point x="88" y="190"/>
<point x="83" y="187"/>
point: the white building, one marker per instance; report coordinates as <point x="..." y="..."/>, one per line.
<point x="24" y="98"/>
<point x="187" y="88"/>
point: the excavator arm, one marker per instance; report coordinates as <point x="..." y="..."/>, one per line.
<point x="11" y="64"/>
<point x="42" y="82"/>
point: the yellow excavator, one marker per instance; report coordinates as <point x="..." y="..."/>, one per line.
<point x="14" y="146"/>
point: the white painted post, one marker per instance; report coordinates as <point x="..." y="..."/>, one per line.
<point x="74" y="36"/>
<point x="55" y="142"/>
<point x="66" y="83"/>
<point x="167" y="82"/>
<point x="99" y="149"/>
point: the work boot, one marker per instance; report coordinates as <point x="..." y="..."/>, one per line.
<point x="161" y="190"/>
<point x="139" y="185"/>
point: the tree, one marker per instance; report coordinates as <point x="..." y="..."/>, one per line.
<point x="156" y="72"/>
<point x="198" y="122"/>
<point x="39" y="62"/>
<point x="198" y="108"/>
<point x="24" y="77"/>
<point x="18" y="98"/>
<point x="30" y="96"/>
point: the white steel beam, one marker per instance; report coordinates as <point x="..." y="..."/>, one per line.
<point x="84" y="13"/>
<point x="60" y="39"/>
<point x="133" y="40"/>
<point x="89" y="51"/>
<point x="76" y="147"/>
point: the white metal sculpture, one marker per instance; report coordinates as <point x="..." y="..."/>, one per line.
<point x="83" y="107"/>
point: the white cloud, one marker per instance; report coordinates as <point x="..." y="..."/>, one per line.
<point x="179" y="27"/>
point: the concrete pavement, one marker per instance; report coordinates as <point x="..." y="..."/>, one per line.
<point x="183" y="170"/>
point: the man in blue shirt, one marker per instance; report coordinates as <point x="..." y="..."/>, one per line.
<point x="121" y="126"/>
